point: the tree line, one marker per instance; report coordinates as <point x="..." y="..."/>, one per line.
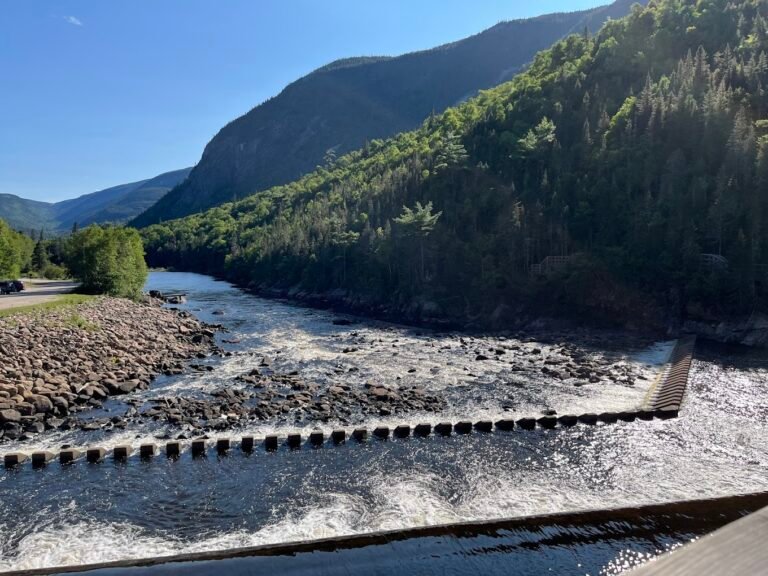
<point x="105" y="260"/>
<point x="639" y="153"/>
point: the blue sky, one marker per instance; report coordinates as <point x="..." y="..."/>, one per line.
<point x="95" y="93"/>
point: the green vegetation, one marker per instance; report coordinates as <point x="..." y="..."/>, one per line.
<point x="341" y="106"/>
<point x="62" y="301"/>
<point x="78" y="321"/>
<point x="107" y="260"/>
<point x="15" y="252"/>
<point x="633" y="152"/>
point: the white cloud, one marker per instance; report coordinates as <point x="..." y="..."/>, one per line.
<point x="73" y="20"/>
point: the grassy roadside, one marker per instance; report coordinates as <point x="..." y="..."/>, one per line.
<point x="63" y="301"/>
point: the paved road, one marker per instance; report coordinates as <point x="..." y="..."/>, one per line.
<point x="37" y="292"/>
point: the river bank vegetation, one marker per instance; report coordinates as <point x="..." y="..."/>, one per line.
<point x="639" y="156"/>
<point x="105" y="260"/>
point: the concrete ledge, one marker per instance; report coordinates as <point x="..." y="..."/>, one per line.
<point x="714" y="513"/>
<point x="669" y="392"/>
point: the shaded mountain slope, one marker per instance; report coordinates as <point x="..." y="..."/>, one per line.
<point x="339" y="107"/>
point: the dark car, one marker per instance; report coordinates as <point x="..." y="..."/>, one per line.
<point x="8" y="287"/>
<point x="19" y="285"/>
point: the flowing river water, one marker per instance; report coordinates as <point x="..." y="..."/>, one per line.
<point x="94" y="513"/>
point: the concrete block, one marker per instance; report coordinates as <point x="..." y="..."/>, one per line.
<point x="526" y="423"/>
<point x="247" y="444"/>
<point x="339" y="436"/>
<point x="484" y="426"/>
<point x="14" y="459"/>
<point x="199" y="447"/>
<point x="270" y="443"/>
<point x="402" y="431"/>
<point x="147" y="450"/>
<point x="443" y="429"/>
<point x="95" y="454"/>
<point x="69" y="455"/>
<point x="317" y="438"/>
<point x="294" y="441"/>
<point x="505" y="425"/>
<point x="627" y="416"/>
<point x="590" y="419"/>
<point x="608" y="417"/>
<point x="223" y="445"/>
<point x="463" y="427"/>
<point x="547" y="422"/>
<point x="360" y="434"/>
<point x="122" y="452"/>
<point x="567" y="420"/>
<point x="381" y="432"/>
<point x="173" y="449"/>
<point x="40" y="459"/>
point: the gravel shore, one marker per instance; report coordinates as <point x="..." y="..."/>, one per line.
<point x="54" y="363"/>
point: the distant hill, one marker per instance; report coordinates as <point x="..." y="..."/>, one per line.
<point x="341" y="106"/>
<point x="117" y="204"/>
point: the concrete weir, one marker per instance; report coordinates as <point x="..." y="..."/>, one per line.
<point x="667" y="393"/>
<point x="493" y="547"/>
<point x="200" y="447"/>
<point x="662" y="402"/>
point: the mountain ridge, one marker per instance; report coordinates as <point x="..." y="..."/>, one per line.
<point x="346" y="103"/>
<point x="116" y="204"/>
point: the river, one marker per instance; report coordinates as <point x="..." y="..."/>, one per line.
<point x="82" y="513"/>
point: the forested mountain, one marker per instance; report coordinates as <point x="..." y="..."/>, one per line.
<point x="117" y="204"/>
<point x="339" y="107"/>
<point x="638" y="155"/>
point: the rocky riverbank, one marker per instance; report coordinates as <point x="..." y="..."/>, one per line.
<point x="58" y="362"/>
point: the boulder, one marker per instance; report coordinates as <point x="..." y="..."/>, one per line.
<point x="42" y="404"/>
<point x="9" y="415"/>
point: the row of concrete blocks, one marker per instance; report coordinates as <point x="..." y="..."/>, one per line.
<point x="317" y="439"/>
<point x="671" y="391"/>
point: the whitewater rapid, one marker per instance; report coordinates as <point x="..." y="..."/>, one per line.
<point x="82" y="514"/>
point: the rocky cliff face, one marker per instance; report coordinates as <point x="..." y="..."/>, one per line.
<point x="340" y="107"/>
